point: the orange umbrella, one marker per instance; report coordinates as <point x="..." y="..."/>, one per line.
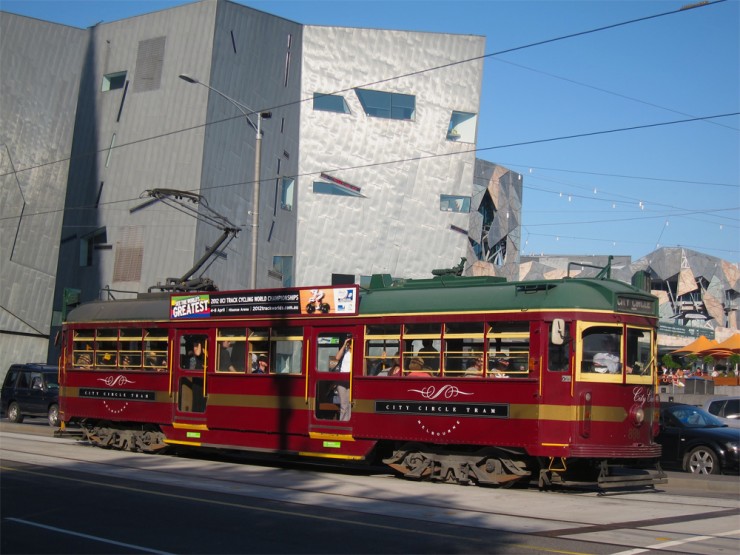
<point x="716" y="353"/>
<point x="728" y="347"/>
<point x="696" y="347"/>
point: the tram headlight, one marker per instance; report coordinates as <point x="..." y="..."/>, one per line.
<point x="638" y="415"/>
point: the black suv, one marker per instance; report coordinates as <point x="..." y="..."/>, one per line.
<point x="31" y="390"/>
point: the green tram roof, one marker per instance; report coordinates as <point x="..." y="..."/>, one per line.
<point x="438" y="295"/>
<point x="487" y="294"/>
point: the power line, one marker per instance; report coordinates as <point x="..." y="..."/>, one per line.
<point x="402" y="76"/>
<point x="416" y="158"/>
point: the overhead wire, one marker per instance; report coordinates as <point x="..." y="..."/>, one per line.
<point x="381" y="81"/>
<point x="710" y="118"/>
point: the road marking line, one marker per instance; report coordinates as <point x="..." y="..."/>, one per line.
<point x="257" y="507"/>
<point x="675" y="543"/>
<point x="87" y="536"/>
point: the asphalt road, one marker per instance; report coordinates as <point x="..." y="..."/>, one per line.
<point x="60" y="496"/>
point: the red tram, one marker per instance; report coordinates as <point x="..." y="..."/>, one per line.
<point x="460" y="379"/>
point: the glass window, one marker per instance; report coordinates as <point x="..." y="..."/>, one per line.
<point x="259" y="350"/>
<point x="155" y="349"/>
<point x="557" y="355"/>
<point x="83" y="349"/>
<point x="286" y="348"/>
<point x="421" y="346"/>
<point x="639" y="352"/>
<point x="287" y="192"/>
<point x="113" y="81"/>
<point x="282" y="267"/>
<point x="601" y="350"/>
<point x="454" y="203"/>
<point x="232" y="350"/>
<point x="463" y="352"/>
<point x="330" y="103"/>
<point x="328" y="346"/>
<point x="381" y="104"/>
<point x="382" y="347"/>
<point x="508" y="349"/>
<point x="462" y="127"/>
<point x="193" y="351"/>
<point x="324" y="188"/>
<point x="106" y="348"/>
<point x="89" y="242"/>
<point x="130" y="348"/>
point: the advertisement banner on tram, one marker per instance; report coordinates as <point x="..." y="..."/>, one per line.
<point x="336" y="300"/>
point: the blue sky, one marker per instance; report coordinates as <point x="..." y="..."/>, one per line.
<point x="588" y="120"/>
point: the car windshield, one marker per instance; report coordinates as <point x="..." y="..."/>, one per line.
<point x="51" y="381"/>
<point x="693" y="417"/>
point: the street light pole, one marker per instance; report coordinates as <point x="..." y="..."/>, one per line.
<point x="257" y="175"/>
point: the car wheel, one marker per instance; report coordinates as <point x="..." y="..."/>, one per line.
<point x="702" y="460"/>
<point x="53" y="416"/>
<point x="14" y="412"/>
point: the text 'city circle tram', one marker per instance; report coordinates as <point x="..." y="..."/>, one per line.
<point x="456" y="379"/>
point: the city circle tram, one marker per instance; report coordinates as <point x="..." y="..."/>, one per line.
<point x="456" y="379"/>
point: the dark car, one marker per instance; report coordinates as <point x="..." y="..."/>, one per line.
<point x="31" y="390"/>
<point x="696" y="441"/>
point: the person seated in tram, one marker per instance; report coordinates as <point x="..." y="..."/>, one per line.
<point x="476" y="368"/>
<point x="416" y="368"/>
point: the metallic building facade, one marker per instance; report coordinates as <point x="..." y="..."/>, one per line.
<point x="100" y="116"/>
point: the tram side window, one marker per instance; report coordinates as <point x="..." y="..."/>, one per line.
<point x="83" y="348"/>
<point x="327" y="347"/>
<point x="602" y="350"/>
<point x="557" y="355"/>
<point x="193" y="351"/>
<point x="286" y="348"/>
<point x="232" y="349"/>
<point x="130" y="348"/>
<point x="639" y="351"/>
<point x="421" y="345"/>
<point x="106" y="352"/>
<point x="508" y="349"/>
<point x="259" y="348"/>
<point x="155" y="349"/>
<point x="382" y="347"/>
<point x="464" y="349"/>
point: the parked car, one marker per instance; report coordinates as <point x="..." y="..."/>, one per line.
<point x="31" y="390"/>
<point x="725" y="408"/>
<point x="696" y="441"/>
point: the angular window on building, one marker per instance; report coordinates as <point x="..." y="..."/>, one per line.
<point x="454" y="203"/>
<point x="381" y="104"/>
<point x="89" y="243"/>
<point x="330" y="103"/>
<point x="462" y="127"/>
<point x="113" y="81"/>
<point x="287" y="192"/>
<point x="323" y="188"/>
<point x="282" y="269"/>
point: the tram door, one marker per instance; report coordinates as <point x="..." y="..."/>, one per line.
<point x="556" y="382"/>
<point x="192" y="367"/>
<point x="333" y="361"/>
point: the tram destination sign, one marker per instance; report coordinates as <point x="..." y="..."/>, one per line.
<point x="636" y="305"/>
<point x="268" y="302"/>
